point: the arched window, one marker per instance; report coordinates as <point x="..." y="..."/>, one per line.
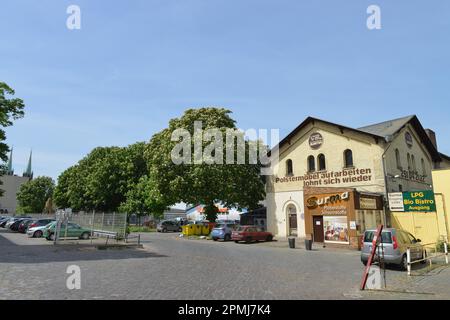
<point x="413" y="163"/>
<point x="409" y="161"/>
<point x="289" y="168"/>
<point x="348" y="158"/>
<point x="397" y="158"/>
<point x="311" y="164"/>
<point x="321" y="162"/>
<point x="424" y="170"/>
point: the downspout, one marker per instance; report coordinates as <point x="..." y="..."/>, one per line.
<point x="383" y="157"/>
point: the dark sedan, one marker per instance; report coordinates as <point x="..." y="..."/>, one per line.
<point x="24" y="224"/>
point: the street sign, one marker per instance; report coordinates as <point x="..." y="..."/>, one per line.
<point x="396" y="202"/>
<point x="419" y="201"/>
<point x="413" y="201"/>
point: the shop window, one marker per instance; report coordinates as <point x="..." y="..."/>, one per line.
<point x="311" y="164"/>
<point x="400" y="188"/>
<point x="348" y="158"/>
<point x="397" y="158"/>
<point x="289" y="168"/>
<point x="424" y="170"/>
<point x="321" y="162"/>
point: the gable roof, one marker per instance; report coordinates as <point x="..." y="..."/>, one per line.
<point x="387" y="128"/>
<point x="383" y="130"/>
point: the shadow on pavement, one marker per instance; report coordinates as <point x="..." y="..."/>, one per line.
<point x="11" y="252"/>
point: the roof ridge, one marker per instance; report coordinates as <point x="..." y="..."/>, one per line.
<point x="376" y="124"/>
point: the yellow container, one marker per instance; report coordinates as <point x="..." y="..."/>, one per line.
<point x="190" y="230"/>
<point x="184" y="230"/>
<point x="198" y="229"/>
<point x="205" y="230"/>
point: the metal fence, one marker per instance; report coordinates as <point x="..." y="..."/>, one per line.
<point x="98" y="222"/>
<point x="102" y="222"/>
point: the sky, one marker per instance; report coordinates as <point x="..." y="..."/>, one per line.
<point x="136" y="64"/>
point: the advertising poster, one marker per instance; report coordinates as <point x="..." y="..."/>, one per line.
<point x="335" y="229"/>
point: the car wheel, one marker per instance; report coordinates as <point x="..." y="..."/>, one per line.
<point x="179" y="229"/>
<point x="248" y="240"/>
<point x="235" y="241"/>
<point x="227" y="237"/>
<point x="404" y="263"/>
<point x="85" y="236"/>
<point x="51" y="237"/>
<point x="214" y="239"/>
<point x="164" y="230"/>
<point x="364" y="263"/>
<point x="269" y="238"/>
<point x="37" y="234"/>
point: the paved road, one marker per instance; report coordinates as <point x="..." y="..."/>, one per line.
<point x="173" y="268"/>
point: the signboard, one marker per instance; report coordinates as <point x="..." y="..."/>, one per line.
<point x="419" y="201"/>
<point x="396" y="202"/>
<point x="368" y="203"/>
<point x="414" y="201"/>
<point x="329" y="204"/>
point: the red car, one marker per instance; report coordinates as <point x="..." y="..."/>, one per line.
<point x="251" y="233"/>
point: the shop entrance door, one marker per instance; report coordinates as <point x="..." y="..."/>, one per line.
<point x="318" y="229"/>
<point x="293" y="224"/>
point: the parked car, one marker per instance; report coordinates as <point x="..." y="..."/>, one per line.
<point x="223" y="231"/>
<point x="37" y="232"/>
<point x="40" y="223"/>
<point x="168" y="225"/>
<point x="73" y="231"/>
<point x="3" y="221"/>
<point x="16" y="225"/>
<point x="394" y="244"/>
<point x="250" y="233"/>
<point x="10" y="222"/>
<point x="23" y="225"/>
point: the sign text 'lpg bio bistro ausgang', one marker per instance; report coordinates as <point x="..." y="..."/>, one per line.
<point x="415" y="201"/>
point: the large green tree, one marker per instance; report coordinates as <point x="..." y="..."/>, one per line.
<point x="102" y="179"/>
<point x="143" y="199"/>
<point x="232" y="185"/>
<point x="10" y="109"/>
<point x="33" y="194"/>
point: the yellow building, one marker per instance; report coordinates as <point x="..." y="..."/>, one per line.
<point x="441" y="180"/>
<point x="368" y="162"/>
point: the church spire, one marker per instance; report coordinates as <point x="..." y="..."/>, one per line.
<point x="10" y="171"/>
<point x="29" y="172"/>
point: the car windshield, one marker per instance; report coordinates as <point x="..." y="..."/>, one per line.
<point x="386" y="237"/>
<point x="242" y="228"/>
<point x="220" y="226"/>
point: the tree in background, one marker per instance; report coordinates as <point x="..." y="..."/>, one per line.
<point x="34" y="194"/>
<point x="10" y="109"/>
<point x="232" y="185"/>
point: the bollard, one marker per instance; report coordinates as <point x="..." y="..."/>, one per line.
<point x="408" y="260"/>
<point x="446" y="252"/>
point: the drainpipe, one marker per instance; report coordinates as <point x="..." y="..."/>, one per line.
<point x="386" y="207"/>
<point x="445" y="213"/>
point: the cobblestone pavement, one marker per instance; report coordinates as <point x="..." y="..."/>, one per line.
<point x="173" y="268"/>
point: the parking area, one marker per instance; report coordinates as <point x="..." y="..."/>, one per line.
<point x="170" y="267"/>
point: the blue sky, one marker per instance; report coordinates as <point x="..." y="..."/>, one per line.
<point x="136" y="64"/>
